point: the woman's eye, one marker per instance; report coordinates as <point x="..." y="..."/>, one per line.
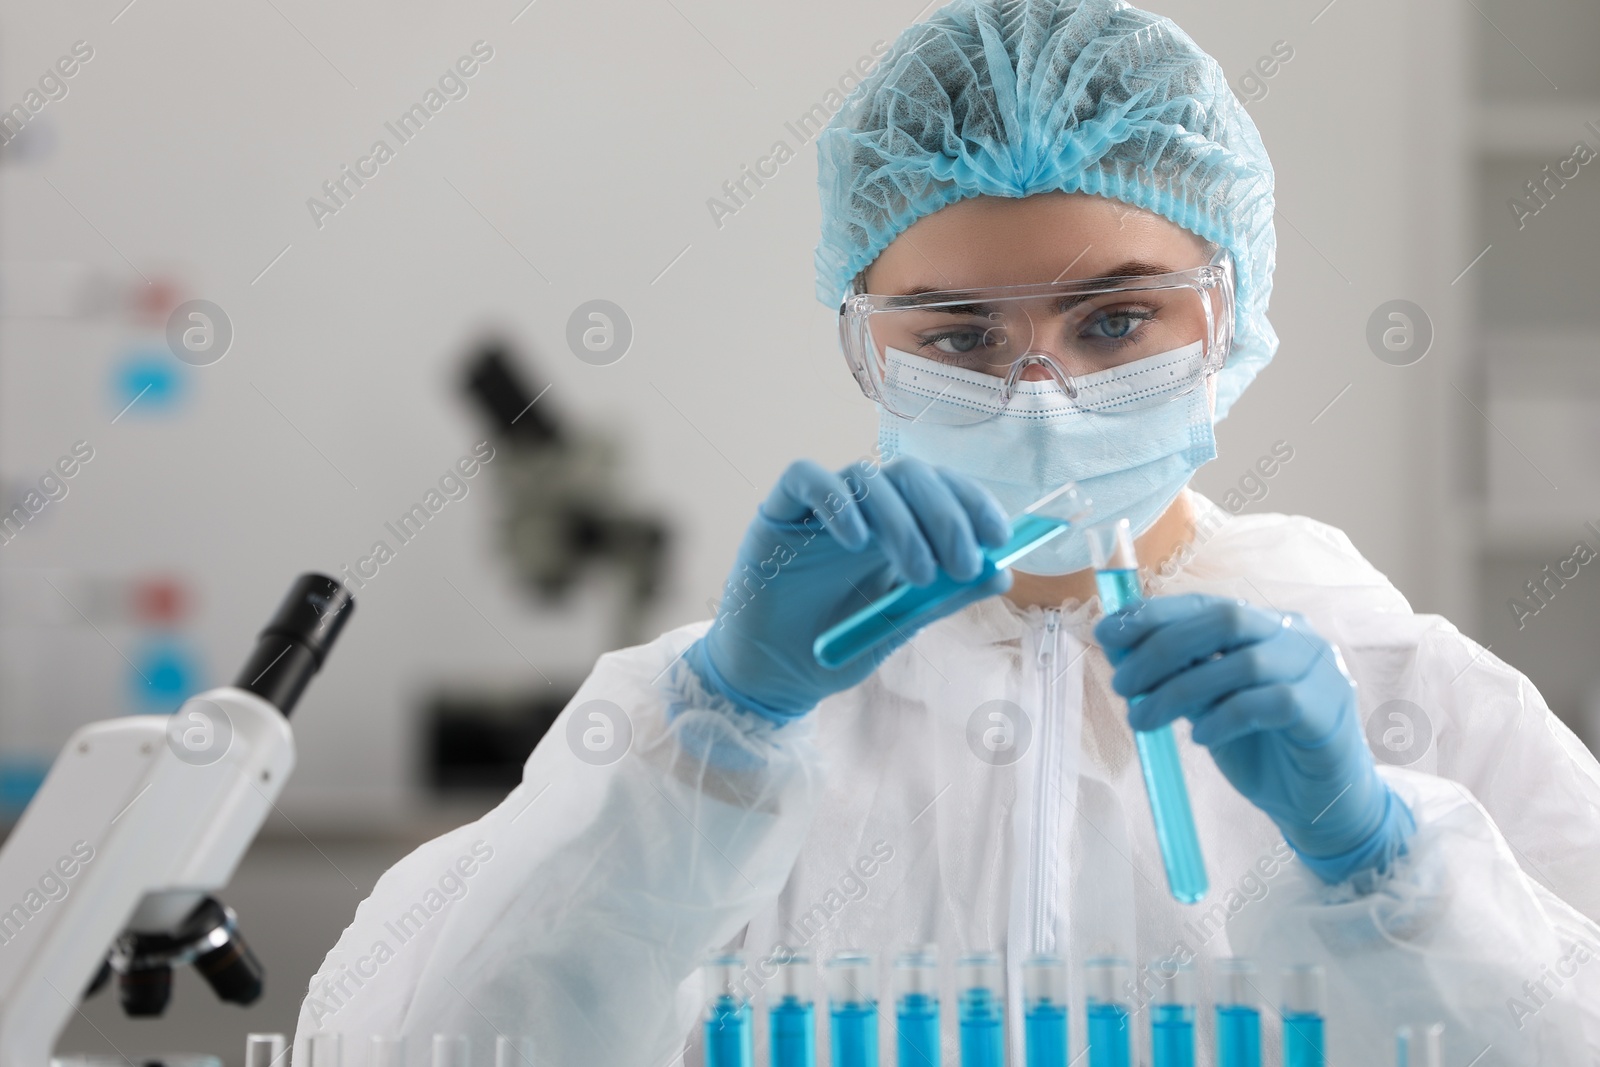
<point x="958" y="343"/>
<point x="1116" y="325"/>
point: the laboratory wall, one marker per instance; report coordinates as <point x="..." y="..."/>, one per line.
<point x="367" y="204"/>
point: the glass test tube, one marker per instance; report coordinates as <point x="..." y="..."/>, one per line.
<point x="981" y="1005"/>
<point x="1419" y="1046"/>
<point x="727" y="1014"/>
<point x="1172" y="1017"/>
<point x="1238" y="1014"/>
<point x="327" y="1049"/>
<point x="1044" y="1011"/>
<point x="513" y="1051"/>
<point x="1303" y="995"/>
<point x="263" y="1050"/>
<point x="450" y="1050"/>
<point x="1117" y="580"/>
<point x="916" y="1009"/>
<point x="901" y="609"/>
<point x="791" y="1016"/>
<point x="384" y="1050"/>
<point x="1106" y="1004"/>
<point x="852" y="1010"/>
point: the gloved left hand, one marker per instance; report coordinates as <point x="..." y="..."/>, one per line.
<point x="1274" y="704"/>
<point x="823" y="545"/>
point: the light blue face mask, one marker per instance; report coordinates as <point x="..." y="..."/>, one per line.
<point x="1130" y="447"/>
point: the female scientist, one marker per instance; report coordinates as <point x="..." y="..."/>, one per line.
<point x="1081" y="177"/>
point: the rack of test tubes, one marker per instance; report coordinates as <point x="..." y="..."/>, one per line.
<point x="330" y="1048"/>
<point x="1117" y="1031"/>
<point x="848" y="1024"/>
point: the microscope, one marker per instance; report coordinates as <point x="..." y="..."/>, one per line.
<point x="561" y="516"/>
<point x="109" y="872"/>
<point x="562" y="523"/>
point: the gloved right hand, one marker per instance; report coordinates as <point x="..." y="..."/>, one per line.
<point x="1273" y="701"/>
<point x="824" y="545"/>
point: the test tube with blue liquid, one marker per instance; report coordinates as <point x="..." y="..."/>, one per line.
<point x="852" y="1010"/>
<point x="727" y="1015"/>
<point x="905" y="607"/>
<point x="1044" y="1011"/>
<point x="791" y="1013"/>
<point x="1172" y="1017"/>
<point x="916" y="1008"/>
<point x="981" y="1005"/>
<point x="1117" y="580"/>
<point x="1238" y="1014"/>
<point x="1107" y="1008"/>
<point x="1303" y="994"/>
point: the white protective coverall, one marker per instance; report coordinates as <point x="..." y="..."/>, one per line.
<point x="579" y="910"/>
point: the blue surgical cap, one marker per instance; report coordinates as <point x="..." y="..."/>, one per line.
<point x="1017" y="97"/>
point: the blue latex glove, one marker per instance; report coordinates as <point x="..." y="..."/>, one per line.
<point x="1274" y="704"/>
<point x="823" y="545"/>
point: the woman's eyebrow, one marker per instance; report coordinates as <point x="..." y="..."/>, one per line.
<point x="1132" y="268"/>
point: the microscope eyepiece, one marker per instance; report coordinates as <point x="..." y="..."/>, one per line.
<point x="296" y="640"/>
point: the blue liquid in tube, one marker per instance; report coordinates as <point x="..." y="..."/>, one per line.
<point x="727" y="1033"/>
<point x="791" y="1024"/>
<point x="1238" y="1037"/>
<point x="1172" y="1035"/>
<point x="852" y="1009"/>
<point x="1045" y="1031"/>
<point x="854" y="1034"/>
<point x="1044" y="1011"/>
<point x="902" y="608"/>
<point x="917" y="1030"/>
<point x="1108" y="1035"/>
<point x="1302" y="1041"/>
<point x="1304" y="999"/>
<point x="982" y="1036"/>
<point x="1238" y="1013"/>
<point x="1158" y="749"/>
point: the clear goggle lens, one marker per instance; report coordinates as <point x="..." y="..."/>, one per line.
<point x="965" y="356"/>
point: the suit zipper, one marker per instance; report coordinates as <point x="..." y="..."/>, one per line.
<point x="1046" y="794"/>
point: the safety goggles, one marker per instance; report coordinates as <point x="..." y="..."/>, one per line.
<point x="1111" y="344"/>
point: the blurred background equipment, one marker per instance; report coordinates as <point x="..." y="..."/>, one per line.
<point x="566" y="530"/>
<point x="562" y="516"/>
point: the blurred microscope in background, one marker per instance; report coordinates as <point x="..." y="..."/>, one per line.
<point x="566" y="531"/>
<point x="561" y="514"/>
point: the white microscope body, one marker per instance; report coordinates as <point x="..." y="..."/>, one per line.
<point x="139" y="819"/>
